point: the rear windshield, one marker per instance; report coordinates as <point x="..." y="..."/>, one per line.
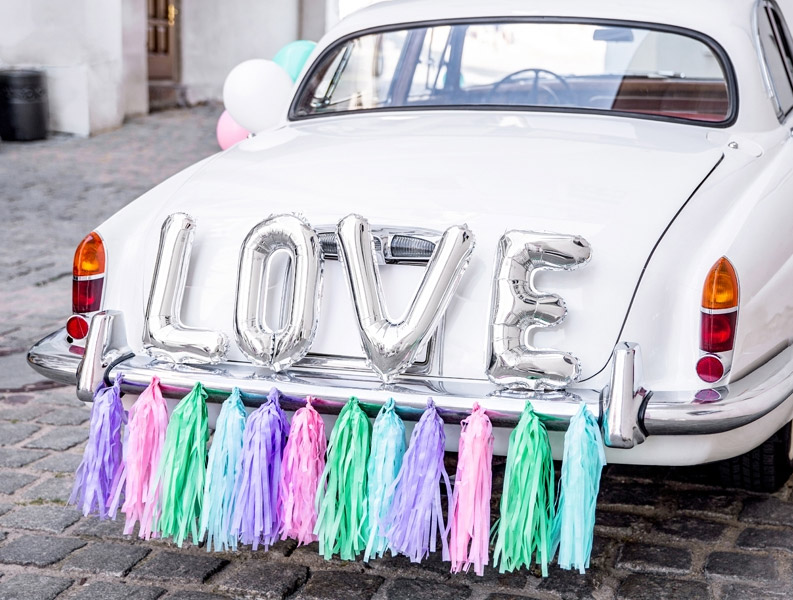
<point x="532" y="65"/>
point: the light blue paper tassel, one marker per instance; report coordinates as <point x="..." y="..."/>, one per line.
<point x="385" y="459"/>
<point x="222" y="467"/>
<point x="583" y="460"/>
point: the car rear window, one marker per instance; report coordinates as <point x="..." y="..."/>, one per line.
<point x="603" y="67"/>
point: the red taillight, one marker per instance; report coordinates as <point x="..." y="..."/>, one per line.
<point x="87" y="295"/>
<point x="89" y="275"/>
<point x="718" y="331"/>
<point x="710" y="369"/>
<point x="77" y="327"/>
<point x="720" y="299"/>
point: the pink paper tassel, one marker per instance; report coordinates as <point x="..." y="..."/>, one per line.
<point x="304" y="461"/>
<point x="148" y="421"/>
<point x="470" y="506"/>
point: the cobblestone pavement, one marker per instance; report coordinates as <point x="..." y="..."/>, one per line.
<point x="661" y="533"/>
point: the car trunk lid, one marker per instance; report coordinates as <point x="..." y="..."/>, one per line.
<point x="617" y="182"/>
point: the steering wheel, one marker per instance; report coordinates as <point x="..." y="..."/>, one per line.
<point x="536" y="87"/>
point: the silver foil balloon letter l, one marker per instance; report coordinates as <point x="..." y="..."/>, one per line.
<point x="517" y="308"/>
<point x="391" y="347"/>
<point x="278" y="349"/>
<point x="164" y="335"/>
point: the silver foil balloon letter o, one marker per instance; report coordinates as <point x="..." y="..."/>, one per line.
<point x="517" y="308"/>
<point x="164" y="335"/>
<point x="391" y="347"/>
<point x="278" y="349"/>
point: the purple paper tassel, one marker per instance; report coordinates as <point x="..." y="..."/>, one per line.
<point x="256" y="518"/>
<point x="93" y="480"/>
<point x="416" y="514"/>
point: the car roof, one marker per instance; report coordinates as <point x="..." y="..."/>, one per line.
<point x="716" y="18"/>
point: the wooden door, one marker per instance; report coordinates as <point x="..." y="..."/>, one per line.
<point x="163" y="40"/>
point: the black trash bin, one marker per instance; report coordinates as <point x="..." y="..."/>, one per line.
<point x="23" y="105"/>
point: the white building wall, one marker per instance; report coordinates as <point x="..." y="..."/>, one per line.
<point x="134" y="68"/>
<point x="79" y="45"/>
<point x="216" y="36"/>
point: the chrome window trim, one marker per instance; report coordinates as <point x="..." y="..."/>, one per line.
<point x="760" y="5"/>
<point x="766" y="74"/>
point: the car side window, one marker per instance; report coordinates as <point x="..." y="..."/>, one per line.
<point x="777" y="52"/>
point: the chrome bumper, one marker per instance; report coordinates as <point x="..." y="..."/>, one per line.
<point x="626" y="411"/>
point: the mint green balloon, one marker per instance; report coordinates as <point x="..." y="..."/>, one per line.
<point x="293" y="56"/>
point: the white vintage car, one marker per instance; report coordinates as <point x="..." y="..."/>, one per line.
<point x="617" y="177"/>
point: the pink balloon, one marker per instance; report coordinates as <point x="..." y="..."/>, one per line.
<point x="228" y="132"/>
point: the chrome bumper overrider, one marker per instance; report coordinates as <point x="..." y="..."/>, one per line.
<point x="626" y="411"/>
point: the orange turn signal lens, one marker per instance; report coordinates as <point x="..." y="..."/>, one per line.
<point x="89" y="258"/>
<point x="721" y="286"/>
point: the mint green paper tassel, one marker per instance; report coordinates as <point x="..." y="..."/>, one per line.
<point x="525" y="528"/>
<point x="584" y="458"/>
<point x="183" y="467"/>
<point x="342" y="525"/>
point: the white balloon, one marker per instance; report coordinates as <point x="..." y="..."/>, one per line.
<point x="256" y="94"/>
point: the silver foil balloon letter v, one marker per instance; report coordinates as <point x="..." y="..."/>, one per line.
<point x="391" y="347"/>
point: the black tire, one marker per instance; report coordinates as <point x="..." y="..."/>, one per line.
<point x="764" y="469"/>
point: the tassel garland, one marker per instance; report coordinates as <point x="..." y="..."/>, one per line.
<point x="224" y="455"/>
<point x="182" y="468"/>
<point x="304" y="461"/>
<point x="342" y="526"/>
<point x="148" y="421"/>
<point x="416" y="514"/>
<point x="385" y="459"/>
<point x="363" y="491"/>
<point x="470" y="506"/>
<point x="527" y="502"/>
<point x="256" y="516"/>
<point x="584" y="458"/>
<point x="102" y="458"/>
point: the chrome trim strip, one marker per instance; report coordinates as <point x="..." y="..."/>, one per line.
<point x="718" y="311"/>
<point x="383" y="238"/>
<point x="330" y="362"/>
<point x="87" y="277"/>
<point x="454" y="398"/>
<point x="665" y="413"/>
